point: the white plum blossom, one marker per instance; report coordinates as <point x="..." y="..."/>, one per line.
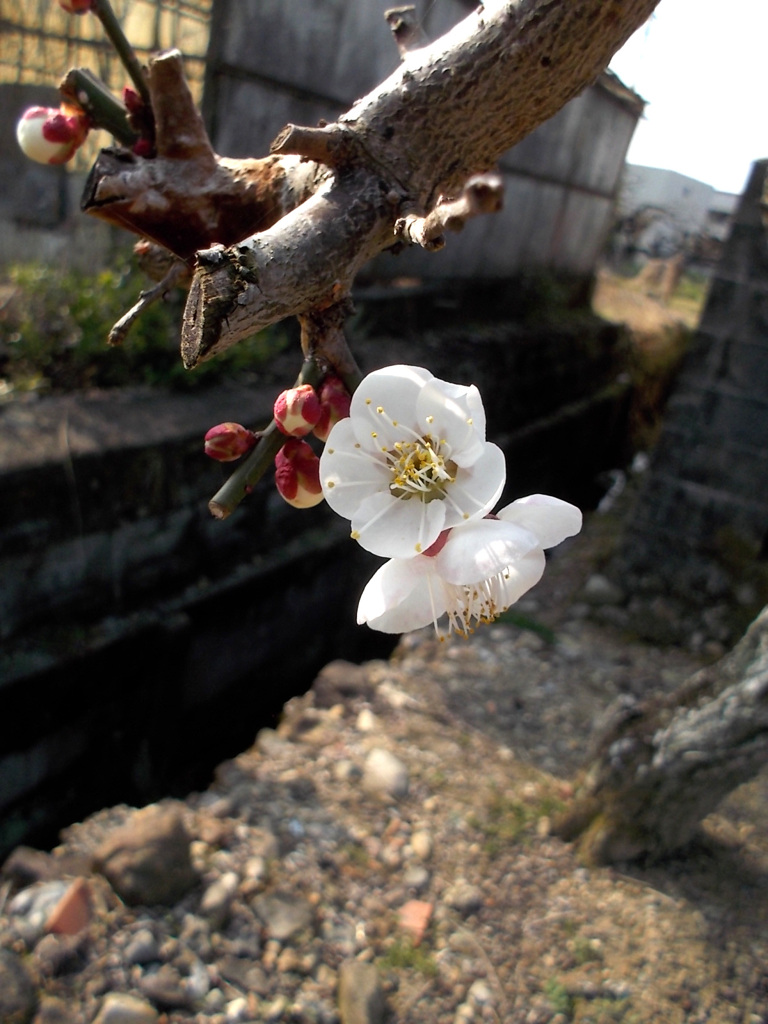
<point x="410" y="461"/>
<point x="473" y="573"/>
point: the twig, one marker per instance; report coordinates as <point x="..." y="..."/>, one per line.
<point x="82" y="87"/>
<point x="483" y="193"/>
<point x="103" y="11"/>
<point x="176" y="276"/>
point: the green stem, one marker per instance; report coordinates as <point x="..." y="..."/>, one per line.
<point x="90" y="93"/>
<point x="103" y="11"/>
<point x="251" y="470"/>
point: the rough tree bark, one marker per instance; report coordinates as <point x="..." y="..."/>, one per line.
<point x="658" y="768"/>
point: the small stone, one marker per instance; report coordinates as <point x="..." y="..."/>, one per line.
<point x="385" y="775"/>
<point x="166" y="988"/>
<point x="122" y="1008"/>
<point x="421" y="844"/>
<point x="236" y="1009"/>
<point x="18" y="1000"/>
<point x="55" y="1011"/>
<point x="416" y="877"/>
<point x="346" y="770"/>
<point x="142" y="948"/>
<point x="217" y="899"/>
<point x="73" y="911"/>
<point x="284" y="914"/>
<point x="59" y="954"/>
<point x="34" y="906"/>
<point x="465" y="898"/>
<point x="480" y="993"/>
<point x="414" y="917"/>
<point x="366" y="721"/>
<point x="147" y="861"/>
<point x="361" y="997"/>
<point x="600" y="590"/>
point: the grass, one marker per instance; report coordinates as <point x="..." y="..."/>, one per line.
<point x="403" y="955"/>
<point x="505" y="820"/>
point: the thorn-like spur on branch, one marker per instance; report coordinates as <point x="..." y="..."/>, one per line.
<point x="445" y="115"/>
<point x="333" y="145"/>
<point x="187" y="198"/>
<point x="405" y="28"/>
<point x="178" y="276"/>
<point x="483" y="193"/>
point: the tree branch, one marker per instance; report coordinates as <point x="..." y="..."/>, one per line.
<point x="186" y="197"/>
<point x="482" y="194"/>
<point x="448" y="113"/>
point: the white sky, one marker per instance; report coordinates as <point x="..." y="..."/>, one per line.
<point x="702" y="67"/>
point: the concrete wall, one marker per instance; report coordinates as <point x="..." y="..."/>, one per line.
<point x="697" y="542"/>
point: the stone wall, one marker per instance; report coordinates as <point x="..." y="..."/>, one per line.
<point x="695" y="549"/>
<point x="143" y="642"/>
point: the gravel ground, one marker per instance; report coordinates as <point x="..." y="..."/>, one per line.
<point x="385" y="856"/>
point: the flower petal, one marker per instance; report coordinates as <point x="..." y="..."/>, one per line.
<point x="517" y="579"/>
<point x="348" y="474"/>
<point x="551" y="519"/>
<point x="482" y="549"/>
<point x="477" y="487"/>
<point x="395" y="528"/>
<point x="399" y="597"/>
<point x="443" y="411"/>
<point x="394" y="390"/>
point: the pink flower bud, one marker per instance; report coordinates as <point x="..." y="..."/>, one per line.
<point x="334" y="405"/>
<point x="297" y="410"/>
<point x="297" y="474"/>
<point x="51" y="136"/>
<point x="228" y="441"/>
<point x="77" y="6"/>
<point x="134" y="104"/>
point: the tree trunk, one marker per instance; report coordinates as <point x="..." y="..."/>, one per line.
<point x="658" y="767"/>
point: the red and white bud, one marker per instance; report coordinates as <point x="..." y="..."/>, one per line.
<point x="229" y="441"/>
<point x="297" y="474"/>
<point x="334" y="405"/>
<point x="52" y="136"/>
<point x="77" y="6"/>
<point x="297" y="410"/>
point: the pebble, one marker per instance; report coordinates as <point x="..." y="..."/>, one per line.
<point x="284" y="915"/>
<point x="361" y="997"/>
<point x="147" y="861"/>
<point x="464" y="897"/>
<point x="142" y="948"/>
<point x="123" y="1008"/>
<point x="421" y="844"/>
<point x="385" y="774"/>
<point x="217" y="898"/>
